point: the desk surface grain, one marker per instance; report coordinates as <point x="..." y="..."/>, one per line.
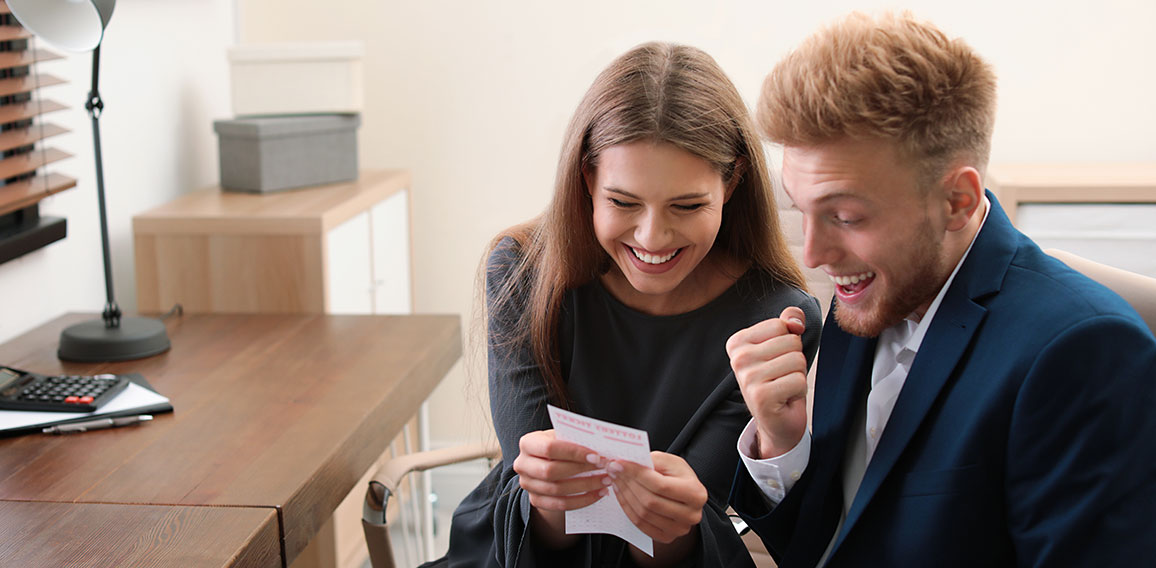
<point x="91" y="534"/>
<point x="281" y="411"/>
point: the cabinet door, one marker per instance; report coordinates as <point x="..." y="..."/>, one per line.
<point x="348" y="271"/>
<point x="391" y="268"/>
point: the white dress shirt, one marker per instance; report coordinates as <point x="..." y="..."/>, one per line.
<point x="894" y="355"/>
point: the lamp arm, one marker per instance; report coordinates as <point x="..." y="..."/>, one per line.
<point x="95" y="107"/>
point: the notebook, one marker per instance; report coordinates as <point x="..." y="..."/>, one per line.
<point x="138" y="398"/>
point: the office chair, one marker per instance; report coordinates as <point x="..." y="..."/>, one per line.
<point x="387" y="483"/>
<point x="1137" y="289"/>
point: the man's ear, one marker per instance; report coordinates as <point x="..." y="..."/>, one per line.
<point x="964" y="188"/>
<point x="737" y="172"/>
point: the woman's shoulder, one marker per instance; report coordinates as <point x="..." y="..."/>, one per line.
<point x="507" y="278"/>
<point x="760" y="287"/>
<point x="769" y="296"/>
<point x="504" y="253"/>
<point x="506" y="259"/>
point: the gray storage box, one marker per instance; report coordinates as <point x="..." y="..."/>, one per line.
<point x="272" y="153"/>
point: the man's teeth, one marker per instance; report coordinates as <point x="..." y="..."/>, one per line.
<point x="853" y="279"/>
<point x="651" y="259"/>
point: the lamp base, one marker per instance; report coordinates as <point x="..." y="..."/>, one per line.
<point x="91" y="341"/>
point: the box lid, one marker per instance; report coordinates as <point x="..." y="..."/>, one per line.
<point x="295" y="125"/>
<point x="296" y="51"/>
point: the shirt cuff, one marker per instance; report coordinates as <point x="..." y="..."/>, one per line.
<point x="774" y="476"/>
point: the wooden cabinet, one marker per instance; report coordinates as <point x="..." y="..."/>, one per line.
<point x="1104" y="212"/>
<point x="1017" y="184"/>
<point x="340" y="249"/>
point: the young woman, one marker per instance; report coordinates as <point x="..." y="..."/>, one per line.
<point x="661" y="241"/>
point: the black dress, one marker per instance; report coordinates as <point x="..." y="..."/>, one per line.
<point x="668" y="375"/>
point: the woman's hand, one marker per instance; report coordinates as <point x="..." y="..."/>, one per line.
<point x="665" y="503"/>
<point x="547" y="466"/>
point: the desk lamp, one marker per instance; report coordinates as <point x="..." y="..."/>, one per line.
<point x="78" y="25"/>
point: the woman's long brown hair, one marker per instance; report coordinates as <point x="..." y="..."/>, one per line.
<point x="662" y="93"/>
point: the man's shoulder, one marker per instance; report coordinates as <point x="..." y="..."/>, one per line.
<point x="1042" y="303"/>
<point x="1040" y="286"/>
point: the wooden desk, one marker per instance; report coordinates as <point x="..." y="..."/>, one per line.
<point x="281" y="412"/>
<point x="93" y="534"/>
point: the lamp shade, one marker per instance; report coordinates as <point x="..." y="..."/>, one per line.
<point x="73" y="25"/>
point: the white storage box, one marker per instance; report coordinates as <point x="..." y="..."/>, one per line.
<point x="296" y="78"/>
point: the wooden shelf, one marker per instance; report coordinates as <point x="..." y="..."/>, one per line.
<point x="9" y="33"/>
<point x="9" y="59"/>
<point x="28" y="192"/>
<point x="28" y="83"/>
<point x="24" y="111"/>
<point x="24" y="163"/>
<point x="1016" y="184"/>
<point x="30" y="135"/>
<point x="313" y="210"/>
<point x="21" y="142"/>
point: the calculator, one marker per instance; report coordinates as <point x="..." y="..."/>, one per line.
<point x="22" y="390"/>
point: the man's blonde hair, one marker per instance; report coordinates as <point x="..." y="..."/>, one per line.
<point x="893" y="78"/>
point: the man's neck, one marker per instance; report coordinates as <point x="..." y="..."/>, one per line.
<point x="955" y="245"/>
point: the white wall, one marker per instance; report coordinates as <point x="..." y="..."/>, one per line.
<point x="474" y="96"/>
<point x="163" y="78"/>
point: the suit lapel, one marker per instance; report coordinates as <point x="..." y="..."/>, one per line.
<point x="839" y="385"/>
<point x="952" y="329"/>
<point x="946" y="340"/>
<point x="838" y="388"/>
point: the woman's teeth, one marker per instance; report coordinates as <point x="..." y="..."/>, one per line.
<point x="853" y="279"/>
<point x="652" y="259"/>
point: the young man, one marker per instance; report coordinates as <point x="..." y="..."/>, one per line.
<point x="977" y="403"/>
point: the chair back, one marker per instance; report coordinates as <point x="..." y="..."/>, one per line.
<point x="1137" y="289"/>
<point x="387" y="482"/>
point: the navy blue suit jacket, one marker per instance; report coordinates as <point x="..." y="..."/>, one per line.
<point x="1025" y="434"/>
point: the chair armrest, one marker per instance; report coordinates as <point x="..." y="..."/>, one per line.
<point x="391" y="474"/>
<point x="385" y="482"/>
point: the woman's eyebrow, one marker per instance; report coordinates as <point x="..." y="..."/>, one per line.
<point x="694" y="195"/>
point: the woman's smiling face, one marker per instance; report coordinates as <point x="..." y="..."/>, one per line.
<point x="657" y="211"/>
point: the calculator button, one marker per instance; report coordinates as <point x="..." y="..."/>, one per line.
<point x="72" y="400"/>
<point x="86" y="400"/>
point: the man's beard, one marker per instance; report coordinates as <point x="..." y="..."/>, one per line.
<point x="924" y="278"/>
